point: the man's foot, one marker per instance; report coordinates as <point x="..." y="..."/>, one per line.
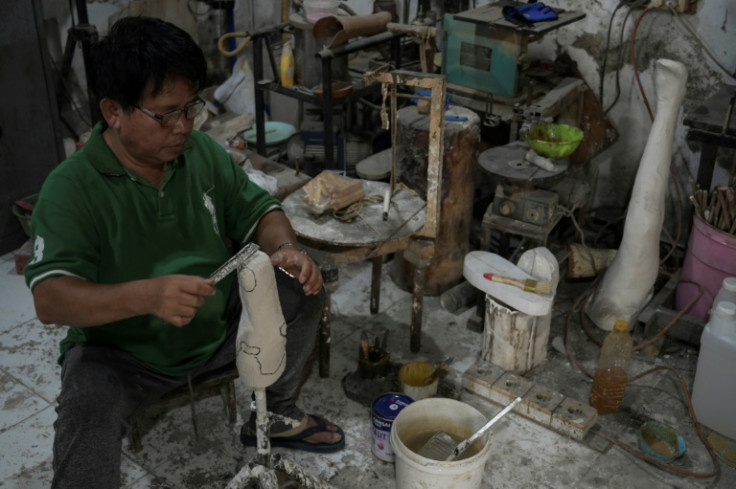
<point x="314" y="434"/>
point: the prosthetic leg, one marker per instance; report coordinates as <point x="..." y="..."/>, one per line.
<point x="261" y="358"/>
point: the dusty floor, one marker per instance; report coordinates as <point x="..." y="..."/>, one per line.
<point x="523" y="453"/>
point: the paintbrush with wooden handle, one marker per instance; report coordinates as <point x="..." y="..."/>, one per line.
<point x="529" y="285"/>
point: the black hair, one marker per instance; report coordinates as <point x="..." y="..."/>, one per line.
<point x="139" y="49"/>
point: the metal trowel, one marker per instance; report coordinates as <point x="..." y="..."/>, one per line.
<point x="441" y="446"/>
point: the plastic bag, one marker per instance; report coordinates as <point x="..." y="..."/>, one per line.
<point x="266" y="182"/>
<point x="237" y="93"/>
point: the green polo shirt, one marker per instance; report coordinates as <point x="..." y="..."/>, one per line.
<point x="97" y="221"/>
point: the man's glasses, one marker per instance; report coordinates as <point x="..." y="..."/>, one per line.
<point x="169" y="119"/>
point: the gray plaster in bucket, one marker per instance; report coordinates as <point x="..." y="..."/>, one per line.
<point x="420" y="420"/>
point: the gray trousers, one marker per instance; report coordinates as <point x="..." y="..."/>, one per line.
<point x="101" y="387"/>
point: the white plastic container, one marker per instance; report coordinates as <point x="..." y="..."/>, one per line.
<point x="727" y="292"/>
<point x="714" y="389"/>
<point x="421" y="419"/>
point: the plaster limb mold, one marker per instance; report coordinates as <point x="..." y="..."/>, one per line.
<point x="261" y="340"/>
<point x="627" y="285"/>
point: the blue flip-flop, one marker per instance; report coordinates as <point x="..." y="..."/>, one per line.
<point x="530" y="13"/>
<point x="297" y="442"/>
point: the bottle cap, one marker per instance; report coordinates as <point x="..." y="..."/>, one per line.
<point x="621" y="326"/>
<point x="729" y="284"/>
<point x="725" y="309"/>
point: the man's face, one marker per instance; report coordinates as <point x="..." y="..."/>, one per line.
<point x="145" y="139"/>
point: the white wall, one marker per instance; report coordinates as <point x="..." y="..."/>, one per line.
<point x="659" y="35"/>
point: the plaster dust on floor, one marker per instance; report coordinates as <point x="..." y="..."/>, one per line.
<point x="523" y="454"/>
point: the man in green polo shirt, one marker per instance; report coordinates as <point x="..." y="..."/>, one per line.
<point x="126" y="232"/>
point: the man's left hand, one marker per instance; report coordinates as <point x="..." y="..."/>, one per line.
<point x="301" y="266"/>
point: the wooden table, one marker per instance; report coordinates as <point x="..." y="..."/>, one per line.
<point x="407" y="214"/>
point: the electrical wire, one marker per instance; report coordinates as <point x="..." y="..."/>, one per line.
<point x="691" y="411"/>
<point x="632" y="47"/>
<point x="574" y="361"/>
<point x="605" y="51"/>
<point x="697" y="39"/>
<point x="571" y="214"/>
<point x="619" y="61"/>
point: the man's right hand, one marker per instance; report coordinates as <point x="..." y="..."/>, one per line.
<point x="76" y="302"/>
<point x="176" y="298"/>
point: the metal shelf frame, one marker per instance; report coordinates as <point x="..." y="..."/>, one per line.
<point x="326" y="102"/>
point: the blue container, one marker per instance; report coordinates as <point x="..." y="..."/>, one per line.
<point x="384" y="410"/>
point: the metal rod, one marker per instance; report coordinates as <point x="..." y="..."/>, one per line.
<point x="353" y="46"/>
<point x="263" y="444"/>
<point x="191" y="407"/>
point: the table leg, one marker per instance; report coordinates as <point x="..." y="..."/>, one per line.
<point x="324" y="339"/>
<point x="416" y="308"/>
<point x="705" y="167"/>
<point x="376" y="283"/>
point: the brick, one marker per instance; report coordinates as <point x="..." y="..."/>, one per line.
<point x="508" y="387"/>
<point x="573" y="418"/>
<point x="479" y="378"/>
<point x="539" y="404"/>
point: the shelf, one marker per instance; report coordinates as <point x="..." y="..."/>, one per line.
<point x="326" y="102"/>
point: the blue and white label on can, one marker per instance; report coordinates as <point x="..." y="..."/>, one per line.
<point x="384" y="410"/>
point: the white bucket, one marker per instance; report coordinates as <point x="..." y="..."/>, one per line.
<point x="416" y="423"/>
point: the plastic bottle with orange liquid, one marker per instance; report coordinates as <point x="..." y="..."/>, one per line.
<point x="612" y="372"/>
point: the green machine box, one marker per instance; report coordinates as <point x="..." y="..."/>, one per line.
<point x="484" y="51"/>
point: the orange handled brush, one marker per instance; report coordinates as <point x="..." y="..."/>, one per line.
<point x="528" y="284"/>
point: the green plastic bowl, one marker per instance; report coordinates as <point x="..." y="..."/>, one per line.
<point x="660" y="441"/>
<point x="554" y="140"/>
<point x="23" y="215"/>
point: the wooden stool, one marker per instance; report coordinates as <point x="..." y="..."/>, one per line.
<point x="220" y="382"/>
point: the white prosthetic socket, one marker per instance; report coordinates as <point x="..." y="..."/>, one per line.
<point x="261" y="341"/>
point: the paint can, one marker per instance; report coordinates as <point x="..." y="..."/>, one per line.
<point x="384" y="410"/>
<point x="418" y="380"/>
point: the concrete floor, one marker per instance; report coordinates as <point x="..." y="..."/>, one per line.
<point x="523" y="454"/>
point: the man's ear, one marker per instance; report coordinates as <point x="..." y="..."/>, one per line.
<point x="111" y="111"/>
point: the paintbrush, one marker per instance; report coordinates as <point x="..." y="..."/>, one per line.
<point x="440" y="371"/>
<point x="529" y="285"/>
<point x="365" y="348"/>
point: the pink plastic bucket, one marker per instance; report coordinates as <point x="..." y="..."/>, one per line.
<point x="710" y="257"/>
